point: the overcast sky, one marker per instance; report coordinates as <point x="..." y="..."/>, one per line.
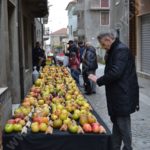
<point x="58" y="15"/>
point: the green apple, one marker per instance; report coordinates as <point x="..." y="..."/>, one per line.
<point x="57" y="123"/>
<point x="73" y="128"/>
<point x="9" y="128"/>
<point x="43" y="127"/>
<point x="75" y="116"/>
<point x="63" y="116"/>
<point x="67" y="121"/>
<point x="17" y="127"/>
<point x="54" y="117"/>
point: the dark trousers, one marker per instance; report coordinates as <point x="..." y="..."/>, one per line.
<point x="121" y="133"/>
<point x="75" y="74"/>
<point x="89" y="85"/>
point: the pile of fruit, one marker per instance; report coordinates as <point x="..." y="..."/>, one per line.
<point x="54" y="102"/>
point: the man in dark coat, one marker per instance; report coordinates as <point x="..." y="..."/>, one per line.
<point x="122" y="90"/>
<point x="89" y="66"/>
<point x="38" y="56"/>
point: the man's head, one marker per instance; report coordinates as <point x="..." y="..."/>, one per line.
<point x="38" y="45"/>
<point x="106" y="40"/>
<point x="70" y="43"/>
<point x="80" y="43"/>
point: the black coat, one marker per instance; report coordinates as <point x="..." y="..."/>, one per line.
<point x="120" y="80"/>
<point x="36" y="53"/>
<point x="89" y="62"/>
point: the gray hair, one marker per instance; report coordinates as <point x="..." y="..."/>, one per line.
<point x="112" y="35"/>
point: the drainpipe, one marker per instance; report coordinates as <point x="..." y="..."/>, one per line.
<point x="20" y="49"/>
<point x="42" y="32"/>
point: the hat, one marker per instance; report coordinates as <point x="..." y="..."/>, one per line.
<point x="70" y="42"/>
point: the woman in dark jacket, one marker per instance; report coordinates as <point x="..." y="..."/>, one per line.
<point x="89" y="66"/>
<point x="122" y="90"/>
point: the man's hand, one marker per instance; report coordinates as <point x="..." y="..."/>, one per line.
<point x="92" y="77"/>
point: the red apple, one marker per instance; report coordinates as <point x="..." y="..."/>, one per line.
<point x="17" y="120"/>
<point x="22" y="122"/>
<point x="96" y="128"/>
<point x="87" y="127"/>
<point x="11" y="121"/>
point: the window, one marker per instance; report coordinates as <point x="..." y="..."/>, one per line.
<point x="104" y="18"/>
<point x="104" y="3"/>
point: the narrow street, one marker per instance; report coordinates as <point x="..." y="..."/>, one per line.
<point x="43" y="45"/>
<point x="140" y="120"/>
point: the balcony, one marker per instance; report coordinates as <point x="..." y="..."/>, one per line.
<point x="38" y="8"/>
<point x="46" y="34"/>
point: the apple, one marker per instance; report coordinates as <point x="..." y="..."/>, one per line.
<point x="75" y="116"/>
<point x="68" y="97"/>
<point x="91" y="119"/>
<point x="73" y="128"/>
<point x="45" y="120"/>
<point x="11" y="121"/>
<point x="41" y="102"/>
<point x="17" y="127"/>
<point x="77" y="111"/>
<point x="63" y="116"/>
<point x="83" y="119"/>
<point x="87" y="127"/>
<point x="37" y="119"/>
<point x="59" y="106"/>
<point x="17" y="111"/>
<point x="43" y="127"/>
<point x="54" y="117"/>
<point x="35" y="127"/>
<point x="46" y="111"/>
<point x="38" y="82"/>
<point x="67" y="122"/>
<point x="9" y="128"/>
<point x="25" y="111"/>
<point x="57" y="123"/>
<point x="22" y="122"/>
<point x="96" y="128"/>
<point x="17" y="120"/>
<point x="26" y="104"/>
<point x="64" y="111"/>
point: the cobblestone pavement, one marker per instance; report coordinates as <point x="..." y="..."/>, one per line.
<point x="140" y="120"/>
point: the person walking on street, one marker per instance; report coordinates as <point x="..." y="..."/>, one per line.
<point x="122" y="89"/>
<point x="89" y="66"/>
<point x="38" y="56"/>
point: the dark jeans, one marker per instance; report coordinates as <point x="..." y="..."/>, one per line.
<point x="121" y="133"/>
<point x="75" y="74"/>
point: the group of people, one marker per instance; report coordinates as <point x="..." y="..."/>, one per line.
<point x="83" y="54"/>
<point x="119" y="79"/>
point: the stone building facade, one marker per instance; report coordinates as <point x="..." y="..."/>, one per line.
<point x="17" y="39"/>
